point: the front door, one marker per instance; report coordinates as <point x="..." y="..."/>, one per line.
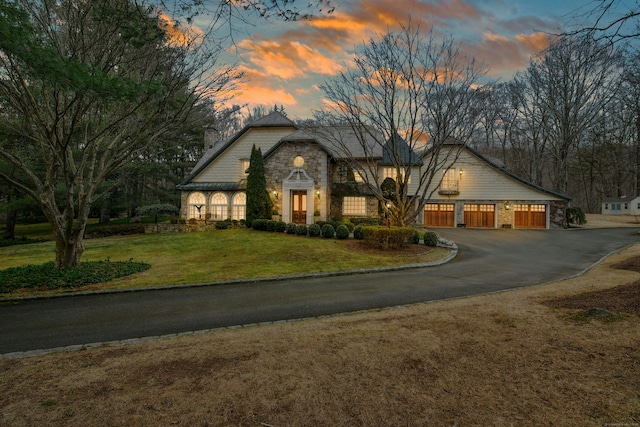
<point x="299" y="206"/>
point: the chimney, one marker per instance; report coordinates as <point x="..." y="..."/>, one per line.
<point x="211" y="138"/>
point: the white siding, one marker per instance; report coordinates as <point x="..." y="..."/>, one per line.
<point x="480" y="181"/>
<point x="227" y="167"/>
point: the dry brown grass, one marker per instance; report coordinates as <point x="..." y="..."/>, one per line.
<point x="607" y="221"/>
<point x="501" y="360"/>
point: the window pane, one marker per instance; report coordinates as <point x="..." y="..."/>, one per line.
<point x="354" y="206"/>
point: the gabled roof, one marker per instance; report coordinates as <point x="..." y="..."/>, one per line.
<point x="622" y="199"/>
<point x="340" y="140"/>
<point x="272" y="120"/>
<point x="499" y="167"/>
<point x="402" y="153"/>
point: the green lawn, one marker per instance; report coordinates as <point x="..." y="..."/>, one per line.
<point x="219" y="255"/>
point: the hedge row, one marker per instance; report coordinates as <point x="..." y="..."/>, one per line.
<point x="328" y="229"/>
<point x="388" y="237"/>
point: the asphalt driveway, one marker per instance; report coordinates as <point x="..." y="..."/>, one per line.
<point x="488" y="261"/>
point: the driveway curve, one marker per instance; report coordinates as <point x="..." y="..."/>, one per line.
<point x="487" y="261"/>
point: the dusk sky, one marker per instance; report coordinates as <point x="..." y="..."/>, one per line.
<point x="284" y="61"/>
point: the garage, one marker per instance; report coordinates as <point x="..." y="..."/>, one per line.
<point x="439" y="214"/>
<point x="530" y="216"/>
<point x="479" y="215"/>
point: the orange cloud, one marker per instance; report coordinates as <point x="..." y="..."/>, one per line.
<point x="506" y="55"/>
<point x="257" y="89"/>
<point x="288" y="60"/>
<point x="181" y="36"/>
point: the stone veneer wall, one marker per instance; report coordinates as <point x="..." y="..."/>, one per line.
<point x="278" y="166"/>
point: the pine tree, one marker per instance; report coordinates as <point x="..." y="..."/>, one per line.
<point x="259" y="203"/>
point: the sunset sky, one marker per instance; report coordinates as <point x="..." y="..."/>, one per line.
<point x="284" y="61"/>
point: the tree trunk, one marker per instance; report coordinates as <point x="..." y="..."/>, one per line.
<point x="10" y="231"/>
<point x="68" y="251"/>
<point x="105" y="210"/>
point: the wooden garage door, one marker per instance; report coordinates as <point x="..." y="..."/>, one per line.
<point x="439" y="214"/>
<point x="479" y="216"/>
<point x="530" y="216"/>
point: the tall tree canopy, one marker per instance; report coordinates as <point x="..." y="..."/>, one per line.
<point x="86" y="87"/>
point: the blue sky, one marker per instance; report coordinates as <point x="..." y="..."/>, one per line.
<point x="284" y="61"/>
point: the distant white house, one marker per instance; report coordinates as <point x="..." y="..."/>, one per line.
<point x="308" y="181"/>
<point x="621" y="206"/>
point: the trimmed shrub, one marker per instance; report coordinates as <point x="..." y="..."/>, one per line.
<point x="349" y="225"/>
<point x="222" y="225"/>
<point x="416" y="238"/>
<point x="342" y="232"/>
<point x="334" y="223"/>
<point x="271" y="225"/>
<point x="430" y="238"/>
<point x="314" y="230"/>
<point x="281" y="226"/>
<point x="301" y="229"/>
<point x="291" y="228"/>
<point x="259" y="224"/>
<point x="387" y="238"/>
<point x="365" y="220"/>
<point x="321" y="223"/>
<point x="328" y="231"/>
<point x="357" y="233"/>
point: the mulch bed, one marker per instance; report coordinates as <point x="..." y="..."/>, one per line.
<point x="621" y="299"/>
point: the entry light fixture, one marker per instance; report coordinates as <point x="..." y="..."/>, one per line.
<point x="507" y="205"/>
<point x="318" y="193"/>
<point x="275" y="194"/>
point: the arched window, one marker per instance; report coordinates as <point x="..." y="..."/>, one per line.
<point x="219" y="207"/>
<point x="239" y="206"/>
<point x="197" y="206"/>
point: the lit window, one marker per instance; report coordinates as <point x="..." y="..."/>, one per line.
<point x="219" y="203"/>
<point x="244" y="164"/>
<point x="354" y="206"/>
<point x="357" y="175"/>
<point x="449" y="180"/>
<point x="392" y="172"/>
<point x="239" y="206"/>
<point x="197" y="206"/>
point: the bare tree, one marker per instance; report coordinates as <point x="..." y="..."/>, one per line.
<point x="613" y="21"/>
<point x="408" y="92"/>
<point x="576" y="78"/>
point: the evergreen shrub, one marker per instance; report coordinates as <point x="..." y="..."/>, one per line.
<point x="328" y="231"/>
<point x="271" y="225"/>
<point x="222" y="225"/>
<point x="281" y="226"/>
<point x="387" y="237"/>
<point x="314" y="230"/>
<point x="301" y="229"/>
<point x="342" y="232"/>
<point x="291" y="228"/>
<point x="357" y="233"/>
<point x="430" y="238"/>
<point x="416" y="238"/>
<point x="259" y="224"/>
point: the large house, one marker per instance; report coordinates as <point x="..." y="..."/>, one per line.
<point x="309" y="181"/>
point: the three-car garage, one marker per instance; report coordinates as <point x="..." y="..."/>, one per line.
<point x="487" y="215"/>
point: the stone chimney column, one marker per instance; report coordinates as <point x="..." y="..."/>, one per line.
<point x="211" y="138"/>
